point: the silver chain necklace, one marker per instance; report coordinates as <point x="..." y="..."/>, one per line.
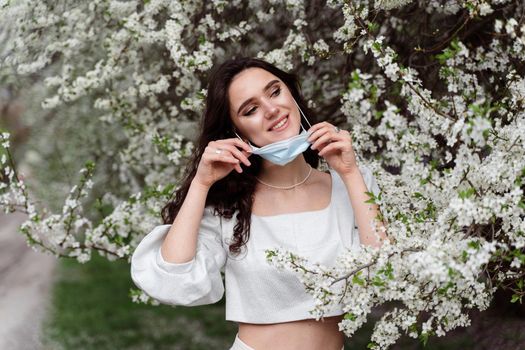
<point x="287" y="187"/>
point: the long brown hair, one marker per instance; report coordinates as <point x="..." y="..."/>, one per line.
<point x="234" y="192"/>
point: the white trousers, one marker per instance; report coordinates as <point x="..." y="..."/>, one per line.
<point x="238" y="344"/>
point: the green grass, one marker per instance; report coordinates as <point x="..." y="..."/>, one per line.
<point x="91" y="309"/>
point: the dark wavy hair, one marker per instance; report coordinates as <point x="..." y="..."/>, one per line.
<point x="234" y="192"/>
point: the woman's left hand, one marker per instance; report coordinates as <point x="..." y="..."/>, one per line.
<point x="335" y="147"/>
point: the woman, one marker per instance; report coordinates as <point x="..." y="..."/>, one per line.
<point x="252" y="124"/>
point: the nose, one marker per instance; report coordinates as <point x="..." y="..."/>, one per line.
<point x="270" y="109"/>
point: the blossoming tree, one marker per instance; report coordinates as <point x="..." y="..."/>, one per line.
<point x="432" y="91"/>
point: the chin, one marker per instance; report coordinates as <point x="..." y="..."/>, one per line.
<point x="285" y="136"/>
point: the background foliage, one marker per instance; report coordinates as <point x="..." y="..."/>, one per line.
<point x="432" y="91"/>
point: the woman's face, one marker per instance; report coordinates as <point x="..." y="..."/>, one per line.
<point x="258" y="101"/>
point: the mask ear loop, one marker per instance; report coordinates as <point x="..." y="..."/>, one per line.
<point x="300" y="110"/>
<point x="324" y="164"/>
<point x="239" y="136"/>
<point x="244" y="141"/>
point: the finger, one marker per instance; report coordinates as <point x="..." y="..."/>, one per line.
<point x="313" y="136"/>
<point x="235" y="153"/>
<point x="224" y="156"/>
<point x="318" y="126"/>
<point x="312" y="129"/>
<point x="224" y="159"/>
<point x="332" y="147"/>
<point x="346" y="134"/>
<point x="239" y="143"/>
<point x="320" y="147"/>
<point x="222" y="147"/>
<point x="327" y="137"/>
<point x="245" y="146"/>
<point x="213" y="148"/>
<point x="318" y="130"/>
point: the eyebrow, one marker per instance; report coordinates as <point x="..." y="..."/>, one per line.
<point x="269" y="85"/>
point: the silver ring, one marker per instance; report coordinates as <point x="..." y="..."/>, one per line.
<point x="336" y="129"/>
<point x="218" y="151"/>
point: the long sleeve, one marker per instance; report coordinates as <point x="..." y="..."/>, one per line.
<point x="196" y="282"/>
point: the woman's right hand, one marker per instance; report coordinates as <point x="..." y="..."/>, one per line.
<point x="214" y="166"/>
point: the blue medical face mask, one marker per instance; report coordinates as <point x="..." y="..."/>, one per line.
<point x="284" y="151"/>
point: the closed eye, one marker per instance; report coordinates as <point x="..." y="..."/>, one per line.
<point x="275" y="92"/>
<point x="250" y="111"/>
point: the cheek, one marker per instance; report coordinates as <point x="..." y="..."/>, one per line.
<point x="251" y="126"/>
<point x="256" y="125"/>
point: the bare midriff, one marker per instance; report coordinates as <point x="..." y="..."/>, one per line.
<point x="303" y="334"/>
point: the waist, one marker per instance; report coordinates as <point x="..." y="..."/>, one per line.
<point x="306" y="334"/>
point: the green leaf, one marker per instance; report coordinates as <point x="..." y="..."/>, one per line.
<point x="464" y="256"/>
<point x="372" y="199"/>
<point x="515" y="298"/>
<point x="452" y="272"/>
<point x="377" y="281"/>
<point x="350" y="316"/>
<point x="374" y="93"/>
<point x="355" y="76"/>
<point x="372" y="26"/>
<point x="378" y="115"/>
<point x="371" y="345"/>
<point x="389" y="271"/>
<point x="357" y="280"/>
<point x="474" y="245"/>
<point x="90" y="165"/>
<point x="444" y="290"/>
<point x="466" y="193"/>
<point x="423" y="337"/>
<point x="418" y="195"/>
<point x="520" y="284"/>
<point x="413" y="327"/>
<point x="270" y="254"/>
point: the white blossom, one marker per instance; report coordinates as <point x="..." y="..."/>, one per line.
<point x="126" y="85"/>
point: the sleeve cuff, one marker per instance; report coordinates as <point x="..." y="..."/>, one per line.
<point x="173" y="267"/>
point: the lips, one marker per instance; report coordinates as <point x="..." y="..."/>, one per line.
<point x="277" y="122"/>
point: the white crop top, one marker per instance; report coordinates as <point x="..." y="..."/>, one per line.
<point x="256" y="292"/>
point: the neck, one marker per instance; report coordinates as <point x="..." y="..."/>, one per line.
<point x="286" y="175"/>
